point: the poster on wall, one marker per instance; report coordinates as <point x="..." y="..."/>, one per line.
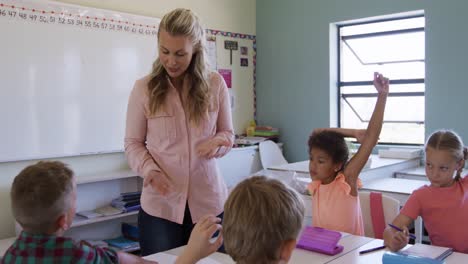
<point x="244" y="51"/>
<point x="244" y="62"/>
<point x="227" y="75"/>
<point x="211" y="53"/>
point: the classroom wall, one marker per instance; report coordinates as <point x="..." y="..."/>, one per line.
<point x="293" y="63"/>
<point x="233" y="16"/>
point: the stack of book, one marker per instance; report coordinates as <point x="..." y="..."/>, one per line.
<point x="99" y="212"/>
<point x="268" y="132"/>
<point x="127" y="202"/>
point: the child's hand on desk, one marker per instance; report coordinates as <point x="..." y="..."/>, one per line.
<point x="398" y="239"/>
<point x="199" y="245"/>
<point x="158" y="181"/>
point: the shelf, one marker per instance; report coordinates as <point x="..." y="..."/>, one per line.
<point x="81" y="221"/>
<point x="108" y="176"/>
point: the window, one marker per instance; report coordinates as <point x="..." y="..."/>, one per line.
<point x="396" y="48"/>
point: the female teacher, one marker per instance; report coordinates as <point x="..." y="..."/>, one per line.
<point x="178" y="122"/>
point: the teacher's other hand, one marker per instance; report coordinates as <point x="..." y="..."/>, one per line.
<point x="223" y="150"/>
<point x="210" y="147"/>
<point x="158" y="181"/>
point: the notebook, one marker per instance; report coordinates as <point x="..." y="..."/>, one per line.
<point x="320" y="240"/>
<point x="432" y="252"/>
<point x="399" y="258"/>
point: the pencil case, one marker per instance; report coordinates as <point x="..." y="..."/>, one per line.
<point x="397" y="258"/>
<point x="320" y="240"/>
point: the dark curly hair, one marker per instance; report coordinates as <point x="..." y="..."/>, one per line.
<point x="332" y="143"/>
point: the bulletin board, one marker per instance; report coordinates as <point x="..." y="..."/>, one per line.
<point x="242" y="71"/>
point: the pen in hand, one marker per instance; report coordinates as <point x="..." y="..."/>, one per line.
<point x="401" y="230"/>
<point x="371" y="250"/>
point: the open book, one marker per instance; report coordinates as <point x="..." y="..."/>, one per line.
<point x="433" y="252"/>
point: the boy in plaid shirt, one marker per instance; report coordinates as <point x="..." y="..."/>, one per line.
<point x="43" y="199"/>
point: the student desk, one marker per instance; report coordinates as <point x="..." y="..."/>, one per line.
<point x="353" y="257"/>
<point x="350" y="255"/>
<point x="379" y="167"/>
<point x="349" y="242"/>
<point x="399" y="189"/>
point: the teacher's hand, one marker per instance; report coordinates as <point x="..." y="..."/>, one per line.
<point x="159" y="181"/>
<point x="210" y="147"/>
<point x="223" y="150"/>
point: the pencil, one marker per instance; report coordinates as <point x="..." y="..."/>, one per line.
<point x="401" y="230"/>
<point x="371" y="250"/>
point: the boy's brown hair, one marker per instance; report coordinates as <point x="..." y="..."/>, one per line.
<point x="40" y="194"/>
<point x="260" y="214"/>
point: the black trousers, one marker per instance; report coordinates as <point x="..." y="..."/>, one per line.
<point x="158" y="234"/>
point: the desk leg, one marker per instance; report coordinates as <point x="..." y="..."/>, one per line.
<point x="418" y="229"/>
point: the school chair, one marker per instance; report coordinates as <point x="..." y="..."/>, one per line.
<point x="270" y="154"/>
<point x="377" y="211"/>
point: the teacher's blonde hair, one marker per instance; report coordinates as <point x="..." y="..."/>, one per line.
<point x="183" y="22"/>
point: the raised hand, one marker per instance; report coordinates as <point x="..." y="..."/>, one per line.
<point x="381" y="83"/>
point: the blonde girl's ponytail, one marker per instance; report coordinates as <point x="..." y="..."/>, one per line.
<point x="459" y="171"/>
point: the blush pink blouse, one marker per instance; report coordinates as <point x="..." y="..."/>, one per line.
<point x="167" y="141"/>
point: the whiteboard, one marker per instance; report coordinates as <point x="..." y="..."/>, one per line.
<point x="66" y="73"/>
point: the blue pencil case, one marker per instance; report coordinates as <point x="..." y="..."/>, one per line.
<point x="398" y="258"/>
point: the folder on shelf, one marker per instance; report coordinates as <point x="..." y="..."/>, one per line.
<point x="131" y="231"/>
<point x="89" y="214"/>
<point x="320" y="240"/>
<point x="117" y="203"/>
<point x="108" y="210"/>
<point x="123" y="243"/>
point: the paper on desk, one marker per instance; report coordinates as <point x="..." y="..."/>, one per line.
<point x="433" y="252"/>
<point x="164" y="258"/>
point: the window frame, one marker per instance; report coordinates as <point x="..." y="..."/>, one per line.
<point x="341" y="83"/>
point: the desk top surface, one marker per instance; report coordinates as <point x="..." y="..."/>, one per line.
<point x="420" y="171"/>
<point x="352" y="245"/>
<point x="395" y="185"/>
<point x="303" y="166"/>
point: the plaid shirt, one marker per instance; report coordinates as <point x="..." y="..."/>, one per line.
<point x="32" y="249"/>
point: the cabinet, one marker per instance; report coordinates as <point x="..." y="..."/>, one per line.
<point x="97" y="191"/>
<point x="238" y="164"/>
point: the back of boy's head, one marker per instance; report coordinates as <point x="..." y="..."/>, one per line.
<point x="332" y="143"/>
<point x="451" y="142"/>
<point x="40" y="194"/>
<point x="259" y="215"/>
